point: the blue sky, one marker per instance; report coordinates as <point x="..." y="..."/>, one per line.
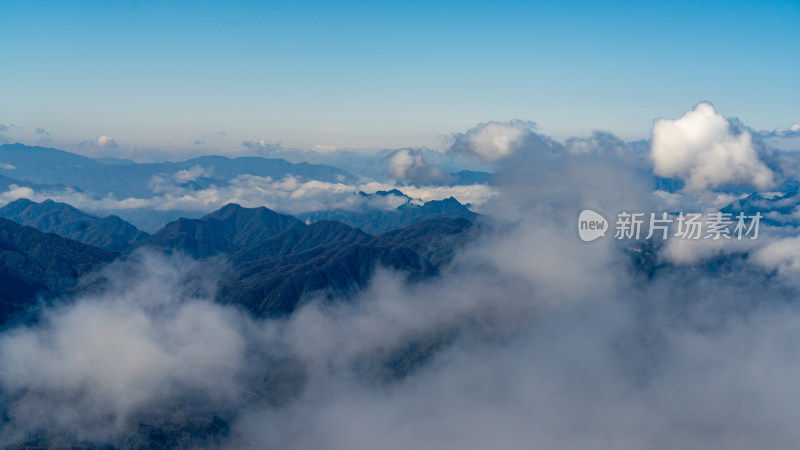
<point x="374" y="75"/>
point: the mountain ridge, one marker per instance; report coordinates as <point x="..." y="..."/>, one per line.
<point x="110" y="233"/>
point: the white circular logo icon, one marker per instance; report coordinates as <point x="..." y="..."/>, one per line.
<point x="591" y="225"/>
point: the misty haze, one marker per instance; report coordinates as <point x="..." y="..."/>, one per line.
<point x="270" y="225"/>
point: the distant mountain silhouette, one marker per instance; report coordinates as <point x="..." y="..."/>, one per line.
<point x="129" y="179"/>
<point x="227" y="230"/>
<point x="34" y="263"/>
<point x="377" y="221"/>
<point x="275" y="259"/>
<point x="109" y="233"/>
<point x="472" y="177"/>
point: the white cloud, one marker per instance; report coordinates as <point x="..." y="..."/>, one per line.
<point x="599" y="143"/>
<point x="193" y="173"/>
<point x="782" y="255"/>
<point x="6" y="166"/>
<point x="325" y="148"/>
<point x="703" y="149"/>
<point x="790" y="132"/>
<point x="100" y="146"/>
<point x="492" y="141"/>
<point x="410" y="165"/>
<point x="143" y="339"/>
<point x="106" y="142"/>
<point x="695" y="201"/>
<point x="289" y="195"/>
<point x="474" y="194"/>
<point x="689" y="251"/>
<point x="15" y="192"/>
<point x="529" y="337"/>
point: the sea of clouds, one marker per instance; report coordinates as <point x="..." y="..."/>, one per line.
<point x="530" y="338"/>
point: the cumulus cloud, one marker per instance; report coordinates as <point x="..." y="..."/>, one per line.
<point x="703" y="149"/>
<point x="410" y="165"/>
<point x="106" y="142"/>
<point x="492" y="141"/>
<point x="6" y="166"/>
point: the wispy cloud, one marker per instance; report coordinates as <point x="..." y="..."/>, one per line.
<point x="262" y="147"/>
<point x="790" y="132"/>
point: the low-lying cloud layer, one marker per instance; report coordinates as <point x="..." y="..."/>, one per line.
<point x="290" y="195"/>
<point x="529" y="338"/>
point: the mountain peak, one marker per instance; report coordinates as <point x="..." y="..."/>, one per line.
<point x="226" y="211"/>
<point x="110" y="234"/>
<point x="226" y="230"/>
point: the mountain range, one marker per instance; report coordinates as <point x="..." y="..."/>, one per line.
<point x="40" y="265"/>
<point x="274" y="277"/>
<point x="126" y="178"/>
<point x="377" y="220"/>
<point x="275" y="261"/>
<point x="227" y="230"/>
<point x="110" y="233"/>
